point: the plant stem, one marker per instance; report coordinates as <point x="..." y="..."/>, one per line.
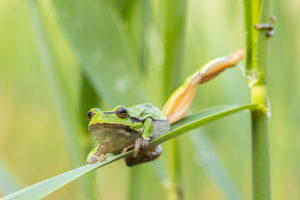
<point x="66" y="113"/>
<point x="260" y="147"/>
<point x="174" y="169"/>
<point x="175" y="14"/>
<point x="257" y="11"/>
<point x="130" y="182"/>
<point x="136" y="16"/>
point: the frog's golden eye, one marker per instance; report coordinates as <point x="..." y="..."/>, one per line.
<point x="90" y="114"/>
<point x="122" y="112"/>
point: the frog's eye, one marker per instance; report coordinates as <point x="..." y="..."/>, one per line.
<point x="122" y="112"/>
<point x="90" y="114"/>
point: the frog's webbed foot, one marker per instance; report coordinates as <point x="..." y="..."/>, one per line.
<point x="96" y="158"/>
<point x="144" y="155"/>
<point x="141" y="144"/>
<point x="97" y="154"/>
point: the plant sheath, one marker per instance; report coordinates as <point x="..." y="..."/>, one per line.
<point x="257" y="11"/>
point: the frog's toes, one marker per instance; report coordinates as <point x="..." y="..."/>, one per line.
<point x="96" y="158"/>
<point x="102" y="158"/>
<point x="92" y="160"/>
<point x="141" y="144"/>
<point x="145" y="142"/>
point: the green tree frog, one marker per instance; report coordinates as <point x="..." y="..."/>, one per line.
<point x="125" y="128"/>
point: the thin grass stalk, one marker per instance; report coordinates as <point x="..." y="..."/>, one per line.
<point x="136" y="16"/>
<point x="257" y="11"/>
<point x="65" y="111"/>
<point x="133" y="183"/>
<point x="175" y="15"/>
<point x="88" y="99"/>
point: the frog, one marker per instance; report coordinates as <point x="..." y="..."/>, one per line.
<point x="125" y="128"/>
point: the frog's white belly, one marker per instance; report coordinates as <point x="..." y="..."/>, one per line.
<point x="114" y="138"/>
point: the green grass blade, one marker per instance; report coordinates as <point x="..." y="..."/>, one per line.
<point x="193" y="121"/>
<point x="137" y="17"/>
<point x="67" y="115"/>
<point x="56" y="83"/>
<point x="88" y="99"/>
<point x="100" y="42"/>
<point x="174" y="32"/>
<point x="48" y="186"/>
<point x="8" y="182"/>
<point x="44" y="188"/>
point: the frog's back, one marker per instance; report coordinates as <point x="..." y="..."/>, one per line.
<point x="145" y="110"/>
<point x="160" y="123"/>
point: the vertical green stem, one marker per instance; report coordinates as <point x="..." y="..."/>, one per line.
<point x="133" y="183"/>
<point x="260" y="156"/>
<point x="257" y="11"/>
<point x="66" y="112"/>
<point x="260" y="146"/>
<point x="174" y="30"/>
<point x="136" y="16"/>
<point x="175" y="190"/>
<point x="88" y="99"/>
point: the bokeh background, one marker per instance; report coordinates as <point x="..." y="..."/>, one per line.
<point x="46" y="91"/>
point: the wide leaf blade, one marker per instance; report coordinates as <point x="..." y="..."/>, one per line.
<point x="100" y="41"/>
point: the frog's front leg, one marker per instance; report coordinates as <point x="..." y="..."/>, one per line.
<point x="143" y="142"/>
<point x="142" y="151"/>
<point x="97" y="154"/>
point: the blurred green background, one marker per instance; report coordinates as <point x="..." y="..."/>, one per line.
<point x="103" y="53"/>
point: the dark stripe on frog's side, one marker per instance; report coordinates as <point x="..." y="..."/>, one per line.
<point x="133" y="119"/>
